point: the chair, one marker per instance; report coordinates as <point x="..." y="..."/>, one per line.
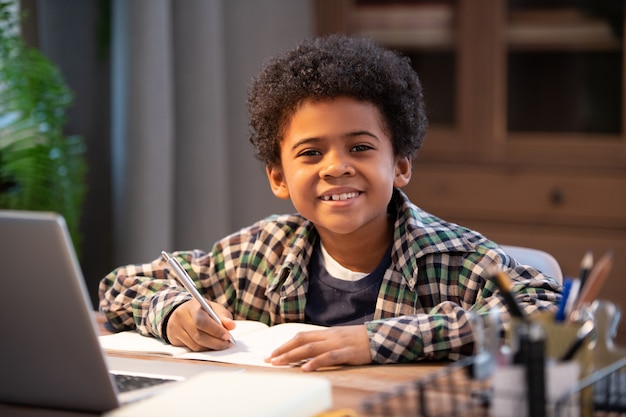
<point x="536" y="258"/>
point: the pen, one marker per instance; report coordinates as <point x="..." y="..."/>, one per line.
<point x="187" y="282"/>
<point x="566" y="299"/>
<point x="572" y="298"/>
<point x="504" y="284"/>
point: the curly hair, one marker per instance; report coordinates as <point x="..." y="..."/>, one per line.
<point x="328" y="67"/>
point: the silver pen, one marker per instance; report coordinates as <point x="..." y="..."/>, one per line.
<point x="189" y="285"/>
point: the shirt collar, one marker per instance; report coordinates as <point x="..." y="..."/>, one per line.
<point x="418" y="233"/>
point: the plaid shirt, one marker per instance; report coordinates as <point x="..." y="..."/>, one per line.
<point x="440" y="272"/>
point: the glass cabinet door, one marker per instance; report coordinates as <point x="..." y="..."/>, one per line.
<point x="565" y="72"/>
<point x="570" y="54"/>
<point x="424" y="31"/>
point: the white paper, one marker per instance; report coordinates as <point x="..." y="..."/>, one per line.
<point x="254" y="342"/>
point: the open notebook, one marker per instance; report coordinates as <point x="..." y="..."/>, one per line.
<point x="50" y="352"/>
<point x="255" y="340"/>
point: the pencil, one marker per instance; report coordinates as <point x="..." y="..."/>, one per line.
<point x="596" y="279"/>
<point x="505" y="285"/>
<point x="585" y="266"/>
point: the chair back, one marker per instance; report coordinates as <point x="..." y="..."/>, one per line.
<point x="538" y="259"/>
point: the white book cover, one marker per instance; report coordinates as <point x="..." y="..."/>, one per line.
<point x="247" y="394"/>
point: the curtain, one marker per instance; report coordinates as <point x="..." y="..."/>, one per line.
<point x="183" y="171"/>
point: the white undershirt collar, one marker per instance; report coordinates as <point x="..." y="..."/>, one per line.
<point x="338" y="271"/>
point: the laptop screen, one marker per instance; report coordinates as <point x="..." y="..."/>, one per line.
<point x="50" y="352"/>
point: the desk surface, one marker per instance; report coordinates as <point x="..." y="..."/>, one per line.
<point x="351" y="385"/>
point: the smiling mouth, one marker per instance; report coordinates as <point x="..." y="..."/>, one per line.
<point x="339" y="197"/>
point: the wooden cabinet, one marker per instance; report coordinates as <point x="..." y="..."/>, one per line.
<point x="527" y="109"/>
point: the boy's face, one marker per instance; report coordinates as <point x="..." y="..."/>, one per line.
<point x="338" y="167"/>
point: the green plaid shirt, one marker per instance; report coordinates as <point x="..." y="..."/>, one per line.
<point x="439" y="273"/>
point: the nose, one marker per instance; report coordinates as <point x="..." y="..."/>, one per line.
<point x="336" y="165"/>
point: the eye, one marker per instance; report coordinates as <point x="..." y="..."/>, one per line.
<point x="361" y="148"/>
<point x="309" y="152"/>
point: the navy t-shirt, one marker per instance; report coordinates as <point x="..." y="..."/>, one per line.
<point x="332" y="301"/>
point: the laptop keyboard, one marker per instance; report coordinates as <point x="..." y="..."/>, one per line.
<point x="126" y="383"/>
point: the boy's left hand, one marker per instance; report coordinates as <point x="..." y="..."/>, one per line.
<point x="342" y="345"/>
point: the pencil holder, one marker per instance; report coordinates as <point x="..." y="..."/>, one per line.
<point x="560" y="338"/>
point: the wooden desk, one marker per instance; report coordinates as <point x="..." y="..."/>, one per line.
<point x="351" y="385"/>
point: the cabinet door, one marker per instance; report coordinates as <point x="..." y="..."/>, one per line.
<point x="565" y="82"/>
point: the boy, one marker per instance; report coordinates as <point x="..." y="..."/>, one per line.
<point x="337" y="122"/>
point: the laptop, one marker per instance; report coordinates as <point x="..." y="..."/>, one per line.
<point x="49" y="351"/>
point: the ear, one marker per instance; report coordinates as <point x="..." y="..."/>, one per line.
<point x="277" y="182"/>
<point x="403" y="171"/>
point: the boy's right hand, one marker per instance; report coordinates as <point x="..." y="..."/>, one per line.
<point x="190" y="326"/>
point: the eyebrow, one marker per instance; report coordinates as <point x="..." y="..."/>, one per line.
<point x="345" y="136"/>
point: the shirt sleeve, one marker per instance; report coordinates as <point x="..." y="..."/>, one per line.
<point x="142" y="296"/>
<point x="444" y="331"/>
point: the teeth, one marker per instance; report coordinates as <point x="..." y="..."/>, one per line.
<point x="337" y="197"/>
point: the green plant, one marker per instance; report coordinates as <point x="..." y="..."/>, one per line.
<point x="40" y="167"/>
